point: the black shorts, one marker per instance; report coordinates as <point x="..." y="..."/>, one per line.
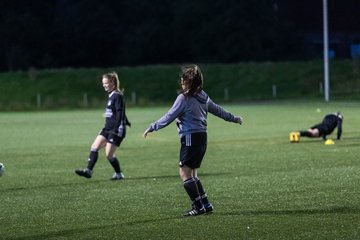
<point x="323" y="129"/>
<point x="193" y="148"/>
<point x="111" y="137"/>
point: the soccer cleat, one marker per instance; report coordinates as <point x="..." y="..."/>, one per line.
<point x="117" y="176"/>
<point x="209" y="208"/>
<point x="84" y="172"/>
<point x="195" y="212"/>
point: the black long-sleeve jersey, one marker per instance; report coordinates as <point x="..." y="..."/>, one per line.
<point x="115" y="117"/>
<point x="332" y="121"/>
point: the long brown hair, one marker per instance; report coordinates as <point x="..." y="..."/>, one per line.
<point x="191" y="74"/>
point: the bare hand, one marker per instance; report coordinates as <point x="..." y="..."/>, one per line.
<point x="146" y="133"/>
<point x="239" y="120"/>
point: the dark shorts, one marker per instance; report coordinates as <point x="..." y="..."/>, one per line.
<point x="323" y="129"/>
<point x="193" y="148"/>
<point x="111" y="137"/>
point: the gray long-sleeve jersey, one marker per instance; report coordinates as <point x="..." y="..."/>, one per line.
<point x="190" y="113"/>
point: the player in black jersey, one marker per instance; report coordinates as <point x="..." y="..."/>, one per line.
<point x="111" y="136"/>
<point x="326" y="127"/>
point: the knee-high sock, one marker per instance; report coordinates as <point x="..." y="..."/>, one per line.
<point x="115" y="163"/>
<point x="93" y="157"/>
<point x="202" y="192"/>
<point x="305" y="134"/>
<point x="193" y="192"/>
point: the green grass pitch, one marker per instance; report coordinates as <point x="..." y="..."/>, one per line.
<point x="261" y="186"/>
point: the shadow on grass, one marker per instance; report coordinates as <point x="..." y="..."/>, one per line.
<point x="346" y="142"/>
<point x="333" y="210"/>
<point x="341" y="143"/>
<point x="87" y="231"/>
<point x="176" y="176"/>
<point x="88" y="182"/>
<point x="83" y="181"/>
<point x="76" y="233"/>
<point x="310" y="140"/>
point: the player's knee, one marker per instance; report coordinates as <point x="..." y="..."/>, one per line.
<point x="94" y="149"/>
<point x="185" y="173"/>
<point x="181" y="174"/>
<point x="314" y="132"/>
<point x="96" y="145"/>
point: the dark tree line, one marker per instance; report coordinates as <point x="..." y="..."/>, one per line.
<point x="93" y="33"/>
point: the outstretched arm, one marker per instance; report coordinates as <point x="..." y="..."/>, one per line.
<point x="222" y="113"/>
<point x="339" y="128"/>
<point x="171" y="115"/>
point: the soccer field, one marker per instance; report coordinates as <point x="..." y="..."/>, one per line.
<point x="261" y="186"/>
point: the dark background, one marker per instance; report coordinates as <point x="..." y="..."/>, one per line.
<point x="93" y="33"/>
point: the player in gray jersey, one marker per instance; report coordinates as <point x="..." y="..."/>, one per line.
<point x="190" y="111"/>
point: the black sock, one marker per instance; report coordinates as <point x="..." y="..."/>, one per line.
<point x="93" y="157"/>
<point x="115" y="164"/>
<point x="193" y="192"/>
<point x="305" y="134"/>
<point x="202" y="192"/>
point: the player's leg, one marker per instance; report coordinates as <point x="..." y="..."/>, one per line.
<point x="192" y="151"/>
<point x="305" y="133"/>
<point x="99" y="142"/>
<point x="110" y="150"/>
<point x="312" y="132"/>
<point x="191" y="188"/>
<point x="204" y="198"/>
